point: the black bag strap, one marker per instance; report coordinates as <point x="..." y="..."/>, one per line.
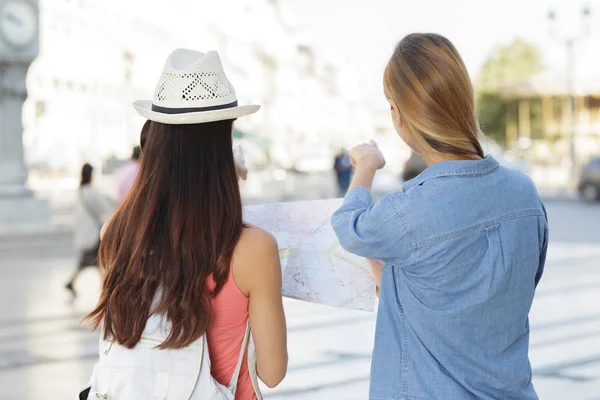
<point x="84" y="394"/>
<point x="90" y="209"/>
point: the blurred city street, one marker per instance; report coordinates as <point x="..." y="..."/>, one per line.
<point x="45" y="351"/>
<point x="70" y="71"/>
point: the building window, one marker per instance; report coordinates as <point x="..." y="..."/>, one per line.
<point x="40" y="108"/>
<point x="593" y="106"/>
<point x="557" y="109"/>
<point x="537" y="124"/>
<point x="592" y="102"/>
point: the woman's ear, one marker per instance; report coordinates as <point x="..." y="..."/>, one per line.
<point x="396" y="113"/>
<point x="399" y="119"/>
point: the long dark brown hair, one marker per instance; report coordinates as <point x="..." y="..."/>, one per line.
<point x="180" y="224"/>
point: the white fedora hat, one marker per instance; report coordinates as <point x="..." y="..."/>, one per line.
<point x="193" y="89"/>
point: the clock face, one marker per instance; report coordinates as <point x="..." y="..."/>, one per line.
<point x="18" y="22"/>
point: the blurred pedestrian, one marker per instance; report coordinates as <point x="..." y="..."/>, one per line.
<point x="413" y="167"/>
<point x="91" y="211"/>
<point x="126" y="174"/>
<point x="462" y="246"/>
<point x="343" y="171"/>
<point x="182" y="270"/>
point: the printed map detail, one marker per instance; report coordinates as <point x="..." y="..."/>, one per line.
<point x="315" y="267"/>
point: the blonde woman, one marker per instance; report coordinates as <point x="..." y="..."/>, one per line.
<point x="462" y="246"/>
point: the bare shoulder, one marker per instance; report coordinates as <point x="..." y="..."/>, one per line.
<point x="255" y="240"/>
<point x="255" y="259"/>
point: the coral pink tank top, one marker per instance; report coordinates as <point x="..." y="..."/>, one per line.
<point x="225" y="335"/>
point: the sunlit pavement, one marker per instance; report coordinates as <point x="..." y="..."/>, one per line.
<point x="46" y="353"/>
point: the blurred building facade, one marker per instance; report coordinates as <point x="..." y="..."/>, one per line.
<point x="539" y="111"/>
<point x="79" y="85"/>
<point x="97" y="57"/>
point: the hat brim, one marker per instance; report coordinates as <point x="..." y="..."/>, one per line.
<point x="144" y="108"/>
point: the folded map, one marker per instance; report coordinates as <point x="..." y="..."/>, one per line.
<point x="315" y="267"/>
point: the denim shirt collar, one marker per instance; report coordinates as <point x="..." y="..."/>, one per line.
<point x="454" y="168"/>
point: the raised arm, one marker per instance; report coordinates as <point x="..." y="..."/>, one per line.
<point x="371" y="230"/>
<point x="258" y="273"/>
<point x="368" y="229"/>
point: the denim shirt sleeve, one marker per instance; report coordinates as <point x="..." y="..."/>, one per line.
<point x="543" y="250"/>
<point x="372" y="230"/>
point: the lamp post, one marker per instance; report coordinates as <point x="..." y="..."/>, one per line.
<point x="19" y="45"/>
<point x="569" y="42"/>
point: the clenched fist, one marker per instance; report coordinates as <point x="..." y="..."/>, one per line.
<point x="367" y="155"/>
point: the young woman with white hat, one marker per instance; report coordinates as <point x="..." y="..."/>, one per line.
<point x="464" y="243"/>
<point x="191" y="303"/>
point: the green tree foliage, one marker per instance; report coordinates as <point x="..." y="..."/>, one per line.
<point x="492" y="113"/>
<point x="507" y="67"/>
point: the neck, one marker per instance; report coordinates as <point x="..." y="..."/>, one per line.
<point x="434" y="158"/>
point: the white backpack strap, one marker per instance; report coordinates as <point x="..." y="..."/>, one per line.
<point x="203" y="355"/>
<point x="161" y="386"/>
<point x="103" y="384"/>
<point x="236" y="373"/>
<point x="252" y="367"/>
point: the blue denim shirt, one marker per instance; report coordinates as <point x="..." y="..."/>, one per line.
<point x="464" y="246"/>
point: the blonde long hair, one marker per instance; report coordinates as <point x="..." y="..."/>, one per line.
<point x="427" y="80"/>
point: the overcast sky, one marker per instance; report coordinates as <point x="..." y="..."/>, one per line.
<point x="361" y="34"/>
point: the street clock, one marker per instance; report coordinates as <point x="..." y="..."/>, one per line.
<point x="18" y="23"/>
